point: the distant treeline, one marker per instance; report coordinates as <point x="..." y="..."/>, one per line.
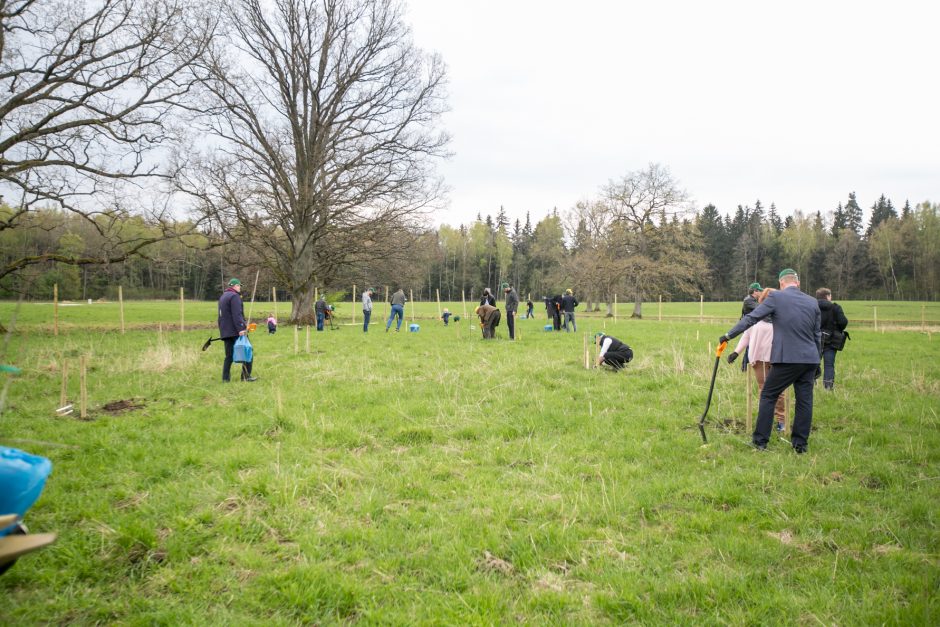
<point x="894" y="255"/>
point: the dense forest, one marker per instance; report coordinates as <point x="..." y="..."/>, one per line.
<point x="893" y="254"/>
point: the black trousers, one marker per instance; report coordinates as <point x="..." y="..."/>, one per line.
<point x="618" y="359"/>
<point x="801" y="377"/>
<point x="511" y="324"/>
<point x="556" y="320"/>
<point x="227" y="364"/>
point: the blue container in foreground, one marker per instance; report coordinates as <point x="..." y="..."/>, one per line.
<point x="22" y="477"/>
<point x="414" y="328"/>
<point x="549" y="327"/>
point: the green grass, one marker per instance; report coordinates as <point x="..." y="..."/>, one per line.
<point x="432" y="478"/>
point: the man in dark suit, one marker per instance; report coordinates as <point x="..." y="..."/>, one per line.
<point x="794" y="355"/>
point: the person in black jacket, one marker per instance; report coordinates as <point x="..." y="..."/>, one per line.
<point x="487" y="298"/>
<point x="231" y="325"/>
<point x="568" y="303"/>
<point x="612" y="351"/>
<point x="832" y="319"/>
<point x="750" y="301"/>
<point x="556" y="311"/>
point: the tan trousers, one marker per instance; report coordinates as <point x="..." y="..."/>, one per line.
<point x="761" y="370"/>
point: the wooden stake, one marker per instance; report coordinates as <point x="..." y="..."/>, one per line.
<point x="701" y="308"/>
<point x="274" y="300"/>
<point x="438" y="302"/>
<point x="615" y="308"/>
<point x="307" y="343"/>
<point x="875" y="313"/>
<point x="660" y="307"/>
<point x="182" y="310"/>
<point x="411" y="300"/>
<point x="121" y="301"/>
<point x="82" y="374"/>
<point x="354" y="296"/>
<point x="296" y="339"/>
<point x="463" y="298"/>
<point x="923" y="318"/>
<point x="385" y="315"/>
<point x="515" y="319"/>
<point x="586" y="365"/>
<point x="747" y="385"/>
<point x="55" y="309"/>
<point x="63" y="391"/>
<point x="786" y="409"/>
<point x="252" y="305"/>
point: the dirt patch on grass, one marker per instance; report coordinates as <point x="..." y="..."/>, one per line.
<point x="125" y="405"/>
<point x="491" y="563"/>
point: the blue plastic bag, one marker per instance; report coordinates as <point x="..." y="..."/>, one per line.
<point x="243" y="351"/>
<point x="22" y="477"/>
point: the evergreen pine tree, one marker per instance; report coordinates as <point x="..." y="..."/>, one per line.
<point x="853" y="214"/>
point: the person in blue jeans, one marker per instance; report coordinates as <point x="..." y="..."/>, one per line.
<point x="366" y="308"/>
<point x="320" y="308"/>
<point x="832" y="318"/>
<point x="398" y="309"/>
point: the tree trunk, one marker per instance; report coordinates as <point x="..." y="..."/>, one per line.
<point x="302" y="305"/>
<point x="637" y="303"/>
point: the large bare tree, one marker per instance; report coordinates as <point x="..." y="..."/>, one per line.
<point x="323" y="123"/>
<point x="86" y="92"/>
<point x="645" y="234"/>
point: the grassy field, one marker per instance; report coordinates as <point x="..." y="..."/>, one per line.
<point x="433" y="478"/>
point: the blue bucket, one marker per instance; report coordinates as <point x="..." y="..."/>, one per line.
<point x="22" y="477"/>
<point x="548" y="327"/>
<point x="414" y="328"/>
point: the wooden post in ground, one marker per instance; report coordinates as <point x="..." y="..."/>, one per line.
<point x="386" y="303"/>
<point x="121" y="303"/>
<point x="701" y="308"/>
<point x="585" y="348"/>
<point x="875" y="313"/>
<point x="411" y="299"/>
<point x="923" y="318"/>
<point x="615" y="308"/>
<point x="660" y="307"/>
<point x="438" y="290"/>
<point x="786" y="409"/>
<point x="515" y="319"/>
<point x="296" y="339"/>
<point x="55" y="309"/>
<point x="307" y="342"/>
<point x="354" y="304"/>
<point x="252" y="305"/>
<point x="597" y="350"/>
<point x="83" y="377"/>
<point x="274" y="300"/>
<point x="463" y="298"/>
<point x="63" y="391"/>
<point x="316" y="294"/>
<point x="182" y="311"/>
<point x="747" y="386"/>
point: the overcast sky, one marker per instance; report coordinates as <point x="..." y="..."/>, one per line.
<point x="796" y="103"/>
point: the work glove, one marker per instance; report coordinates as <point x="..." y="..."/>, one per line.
<point x="723" y="339"/>
<point x="732" y="357"/>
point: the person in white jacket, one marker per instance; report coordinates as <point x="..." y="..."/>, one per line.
<point x="758" y="341"/>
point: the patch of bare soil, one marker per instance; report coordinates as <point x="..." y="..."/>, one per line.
<point x="119" y="407"/>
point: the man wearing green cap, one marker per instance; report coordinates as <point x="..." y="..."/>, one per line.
<point x="231" y="325"/>
<point x="612" y="351"/>
<point x="512" y="306"/>
<point x="750" y="301"/>
<point x="794" y="354"/>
